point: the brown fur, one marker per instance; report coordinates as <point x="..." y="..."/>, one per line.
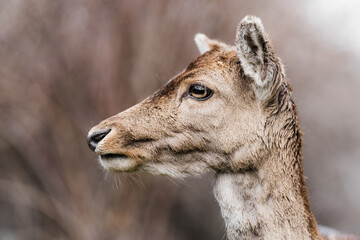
<point x="248" y="132"/>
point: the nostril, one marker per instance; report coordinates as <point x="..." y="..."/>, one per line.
<point x="96" y="137"/>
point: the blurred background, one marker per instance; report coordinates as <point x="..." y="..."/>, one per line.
<point x="66" y="65"/>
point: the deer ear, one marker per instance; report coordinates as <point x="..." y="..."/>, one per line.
<point x="205" y="44"/>
<point x="255" y="54"/>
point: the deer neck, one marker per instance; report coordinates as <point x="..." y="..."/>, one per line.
<point x="270" y="202"/>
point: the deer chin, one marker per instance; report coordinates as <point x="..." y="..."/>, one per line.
<point x="118" y="163"/>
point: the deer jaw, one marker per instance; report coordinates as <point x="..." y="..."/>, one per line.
<point x="174" y="134"/>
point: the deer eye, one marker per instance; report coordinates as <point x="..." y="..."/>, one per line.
<point x="200" y="92"/>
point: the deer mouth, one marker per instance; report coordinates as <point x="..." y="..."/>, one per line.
<point x="113" y="156"/>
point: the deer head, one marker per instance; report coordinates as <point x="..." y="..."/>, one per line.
<point x="212" y="115"/>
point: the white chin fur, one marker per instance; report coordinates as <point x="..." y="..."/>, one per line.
<point x="118" y="164"/>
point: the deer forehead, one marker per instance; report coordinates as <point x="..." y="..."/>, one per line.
<point x="218" y="69"/>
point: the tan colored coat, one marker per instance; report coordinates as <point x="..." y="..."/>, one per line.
<point x="229" y="111"/>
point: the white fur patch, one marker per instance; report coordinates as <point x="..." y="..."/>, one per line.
<point x="238" y="215"/>
<point x="118" y="164"/>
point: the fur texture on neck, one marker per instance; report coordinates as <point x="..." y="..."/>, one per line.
<point x="254" y="207"/>
<point x="271" y="200"/>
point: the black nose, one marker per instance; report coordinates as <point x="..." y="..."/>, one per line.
<point x="96" y="137"/>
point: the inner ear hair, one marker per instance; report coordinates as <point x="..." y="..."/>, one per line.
<point x="256" y="56"/>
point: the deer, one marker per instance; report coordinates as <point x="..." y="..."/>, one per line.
<point x="229" y="111"/>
